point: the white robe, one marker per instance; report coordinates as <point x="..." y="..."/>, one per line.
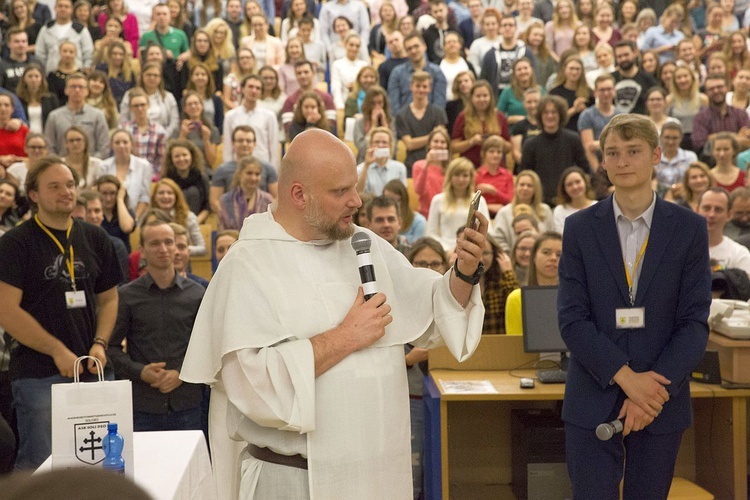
<point x="269" y="296"/>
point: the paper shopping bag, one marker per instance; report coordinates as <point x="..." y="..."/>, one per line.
<point x="80" y="414"/>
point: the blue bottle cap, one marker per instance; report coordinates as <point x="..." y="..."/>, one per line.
<point x="112" y="426"/>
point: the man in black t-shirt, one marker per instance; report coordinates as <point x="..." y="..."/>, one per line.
<point x="631" y="82"/>
<point x="58" y="300"/>
<point x="13" y="66"/>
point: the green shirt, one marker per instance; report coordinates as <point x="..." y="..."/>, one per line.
<point x="175" y="40"/>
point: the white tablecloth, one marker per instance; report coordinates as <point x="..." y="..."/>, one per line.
<point x="170" y="465"/>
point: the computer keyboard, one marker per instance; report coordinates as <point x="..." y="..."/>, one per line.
<point x="551" y="376"/>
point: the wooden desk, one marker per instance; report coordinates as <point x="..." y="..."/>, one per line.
<point x="475" y="435"/>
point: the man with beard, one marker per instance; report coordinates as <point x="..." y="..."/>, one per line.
<point x="738" y="228"/>
<point x="631" y="83"/>
<point x="314" y="373"/>
<point x="718" y="117"/>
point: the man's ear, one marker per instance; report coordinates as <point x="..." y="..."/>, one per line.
<point x="299" y="196"/>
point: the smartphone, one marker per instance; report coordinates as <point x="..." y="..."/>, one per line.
<point x="440" y="154"/>
<point x="196" y="126"/>
<point x="471" y="220"/>
<point x="382" y="153"/>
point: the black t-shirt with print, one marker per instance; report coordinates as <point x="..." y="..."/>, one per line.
<point x="32" y="262"/>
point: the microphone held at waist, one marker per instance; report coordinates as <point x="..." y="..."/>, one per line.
<point x="605" y="432"/>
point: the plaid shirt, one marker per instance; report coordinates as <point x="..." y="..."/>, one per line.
<point x="149" y="145"/>
<point x="494" y="298"/>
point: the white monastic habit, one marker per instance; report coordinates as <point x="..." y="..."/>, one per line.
<point x="268" y="297"/>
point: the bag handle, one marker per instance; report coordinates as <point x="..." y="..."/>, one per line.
<point x="99" y="369"/>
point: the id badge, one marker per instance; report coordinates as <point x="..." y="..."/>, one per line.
<point x="75" y="300"/>
<point x="631" y="317"/>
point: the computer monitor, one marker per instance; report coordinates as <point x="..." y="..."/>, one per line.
<point x="541" y="332"/>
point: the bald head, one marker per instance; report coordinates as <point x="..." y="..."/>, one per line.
<point x="317" y="188"/>
<point x="310" y="156"/>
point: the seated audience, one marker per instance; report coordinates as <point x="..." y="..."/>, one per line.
<point x="412" y="223"/>
<point x="100" y="97"/>
<point x="12" y="139"/>
<point x="196" y="128"/>
<point x="496" y="284"/>
<point x="697" y="179"/>
<point x="375" y="112"/>
<point x="77" y="157"/>
<point x="724" y="152"/>
<point x="523" y="130"/>
<point x="542" y="271"/>
<point x="477" y="122"/>
<point x="95" y="216"/>
<point x="9" y="198"/>
<point x="367" y="78"/>
<point x="385" y="220"/>
<point x="344" y="70"/>
<point x="527" y="191"/>
<point x="429" y="174"/>
<point x="149" y="138"/>
<point x="183" y="164"/>
<point x="117" y="219"/>
<point x="37" y="101"/>
<point x="245" y="196"/>
<point x="493" y="179"/>
<point x="724" y="252"/>
<point x="574" y="193"/>
<point x="674" y="160"/>
<point x="133" y="172"/>
<point x="243" y="144"/>
<point x="65" y="67"/>
<point x="182" y="254"/>
<point x="378" y="168"/>
<point x="549" y="152"/>
<point x="739" y="226"/>
<point x="162" y="107"/>
<point x="35" y="147"/>
<point x="310" y="112"/>
<point x="521" y="254"/>
<point x="449" y="210"/>
<point x="224" y="240"/>
<point x="167" y="196"/>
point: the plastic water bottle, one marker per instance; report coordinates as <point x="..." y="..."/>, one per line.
<point x="113" y="444"/>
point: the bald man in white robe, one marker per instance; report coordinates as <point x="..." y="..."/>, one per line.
<point x="312" y="376"/>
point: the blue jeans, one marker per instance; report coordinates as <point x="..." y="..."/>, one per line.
<point x="32" y="399"/>
<point x="185" y="420"/>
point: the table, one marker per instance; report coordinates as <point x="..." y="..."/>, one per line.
<point x="170" y="465"/>
<point x="475" y="448"/>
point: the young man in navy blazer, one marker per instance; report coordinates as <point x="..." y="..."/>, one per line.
<point x="633" y="300"/>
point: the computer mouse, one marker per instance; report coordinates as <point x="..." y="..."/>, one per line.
<point x="527" y="383"/>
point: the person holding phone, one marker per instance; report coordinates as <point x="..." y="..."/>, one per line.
<point x="378" y="168"/>
<point x="197" y="129"/>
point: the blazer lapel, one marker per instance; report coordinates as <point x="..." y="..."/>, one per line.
<point x="605" y="231"/>
<point x="662" y="229"/>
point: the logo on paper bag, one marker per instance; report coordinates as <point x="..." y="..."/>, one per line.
<point x="88" y="441"/>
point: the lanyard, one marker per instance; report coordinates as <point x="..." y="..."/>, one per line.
<point x="635" y="269"/>
<point x="67" y="251"/>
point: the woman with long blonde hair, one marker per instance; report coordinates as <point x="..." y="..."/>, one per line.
<point x="450" y="209"/>
<point x="527" y="191"/>
<point x="560" y="30"/>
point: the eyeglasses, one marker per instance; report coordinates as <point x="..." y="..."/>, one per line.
<point x="36" y="148"/>
<point x="76" y="87"/>
<point x="435" y="265"/>
<point x="74" y="139"/>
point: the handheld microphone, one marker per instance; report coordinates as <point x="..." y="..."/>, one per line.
<point x="361" y="243"/>
<point x="605" y="432"/>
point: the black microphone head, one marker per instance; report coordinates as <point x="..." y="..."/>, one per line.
<point x="361" y="242"/>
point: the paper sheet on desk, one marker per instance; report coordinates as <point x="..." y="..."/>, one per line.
<point x="468" y="387"/>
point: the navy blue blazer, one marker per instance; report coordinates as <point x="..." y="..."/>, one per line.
<point x="674" y="288"/>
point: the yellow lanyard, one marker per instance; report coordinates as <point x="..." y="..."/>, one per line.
<point x="630" y="278"/>
<point x="69" y="258"/>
